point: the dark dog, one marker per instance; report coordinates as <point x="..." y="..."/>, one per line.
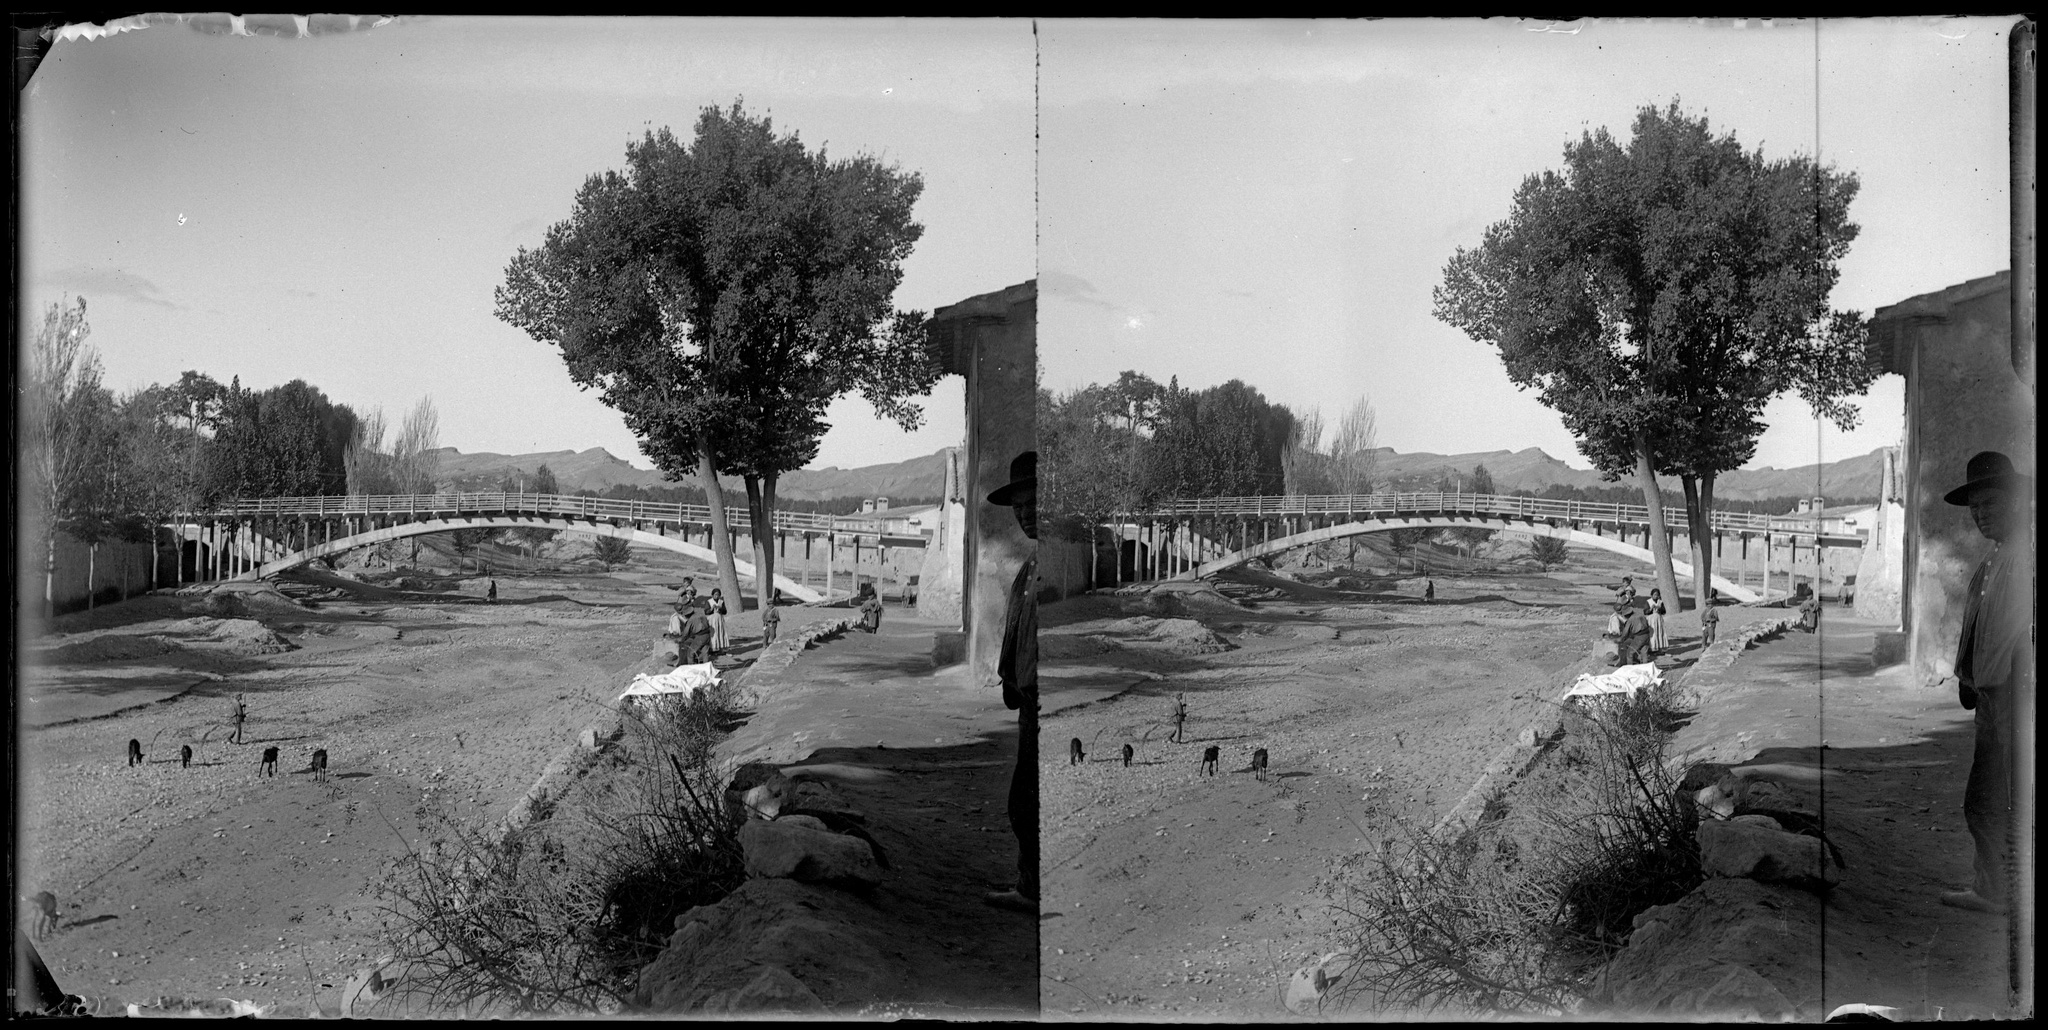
<point x="269" y="764"/>
<point x="1259" y="763"/>
<point x="134" y="753"/>
<point x="185" y="756"/>
<point x="1127" y="756"/>
<point x="1209" y="756"/>
<point x="320" y="765"/>
<point x="1074" y="755"/>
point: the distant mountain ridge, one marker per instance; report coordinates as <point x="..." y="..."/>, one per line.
<point x="1527" y="469"/>
<point x="598" y="469"/>
<point x="1533" y="470"/>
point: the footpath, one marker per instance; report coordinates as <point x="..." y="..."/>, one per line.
<point x="863" y="730"/>
<point x="1802" y="732"/>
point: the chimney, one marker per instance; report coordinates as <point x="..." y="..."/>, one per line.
<point x="867" y="505"/>
<point x="881" y="504"/>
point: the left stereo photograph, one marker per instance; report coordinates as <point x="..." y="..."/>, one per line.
<point x="526" y="517"/>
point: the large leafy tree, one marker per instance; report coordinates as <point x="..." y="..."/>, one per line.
<point x="63" y="434"/>
<point x="1658" y="295"/>
<point x="722" y="294"/>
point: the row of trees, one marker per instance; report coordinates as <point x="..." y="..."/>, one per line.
<point x="1123" y="446"/>
<point x="101" y="465"/>
<point x="721" y="294"/>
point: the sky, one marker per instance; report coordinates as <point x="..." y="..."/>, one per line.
<point x="340" y="208"/>
<point x="1274" y="201"/>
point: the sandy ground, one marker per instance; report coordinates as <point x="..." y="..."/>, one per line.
<point x="210" y="881"/>
<point x="1173" y="895"/>
<point x="1890" y="779"/>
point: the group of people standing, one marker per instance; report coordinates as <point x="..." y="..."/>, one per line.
<point x="698" y="624"/>
<point x="1638" y="631"/>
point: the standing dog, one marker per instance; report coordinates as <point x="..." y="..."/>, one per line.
<point x="46" y="913"/>
<point x="1209" y="755"/>
<point x="320" y="765"/>
<point x="134" y="753"/>
<point x="269" y="764"/>
<point x="1127" y="756"/>
<point x="185" y="756"/>
<point x="1074" y="755"/>
<point x="1259" y="764"/>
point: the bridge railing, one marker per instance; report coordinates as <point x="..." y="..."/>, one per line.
<point x="1475" y="504"/>
<point x="525" y="503"/>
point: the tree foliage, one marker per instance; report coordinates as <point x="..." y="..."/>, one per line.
<point x="1548" y="552"/>
<point x="1659" y="295"/>
<point x="612" y="551"/>
<point x="721" y="294"/>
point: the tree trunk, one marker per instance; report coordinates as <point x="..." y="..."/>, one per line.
<point x="50" y="575"/>
<point x="92" y="557"/>
<point x="1699" y="518"/>
<point x="761" y="521"/>
<point x="721" y="534"/>
<point x="1660" y="536"/>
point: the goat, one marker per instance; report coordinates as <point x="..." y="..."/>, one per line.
<point x="320" y="766"/>
<point x="1127" y="756"/>
<point x="1259" y="764"/>
<point x="268" y="766"/>
<point x="1074" y="754"/>
<point x="185" y="756"/>
<point x="134" y="753"/>
<point x="1209" y="756"/>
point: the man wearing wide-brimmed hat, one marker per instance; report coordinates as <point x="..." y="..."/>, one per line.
<point x="1994" y="658"/>
<point x="1018" y="669"/>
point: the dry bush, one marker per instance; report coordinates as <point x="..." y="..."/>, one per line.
<point x="558" y="918"/>
<point x="1516" y="915"/>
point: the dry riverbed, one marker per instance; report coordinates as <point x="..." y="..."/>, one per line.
<point x="1174" y="895"/>
<point x="210" y="881"/>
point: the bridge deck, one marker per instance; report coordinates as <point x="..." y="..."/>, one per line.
<point x="430" y="505"/>
<point x="1393" y="504"/>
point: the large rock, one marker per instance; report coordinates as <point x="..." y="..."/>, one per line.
<point x="1754" y="847"/>
<point x="1732" y="949"/>
<point x="798" y="850"/>
<point x="717" y="961"/>
<point x="1181" y="636"/>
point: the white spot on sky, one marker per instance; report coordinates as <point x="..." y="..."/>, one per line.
<point x="181" y="218"/>
<point x="1135" y="322"/>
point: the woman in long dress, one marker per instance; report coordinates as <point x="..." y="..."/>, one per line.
<point x="1656" y="616"/>
<point x="716" y="613"/>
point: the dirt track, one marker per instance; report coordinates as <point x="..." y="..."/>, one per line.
<point x="1174" y="895"/>
<point x="210" y="881"/>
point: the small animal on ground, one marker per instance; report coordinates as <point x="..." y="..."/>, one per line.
<point x="1259" y="764"/>
<point x="134" y="753"/>
<point x="185" y="756"/>
<point x="1209" y="756"/>
<point x="1074" y="755"/>
<point x="46" y="913"/>
<point x="320" y="765"/>
<point x="269" y="764"/>
<point x="1127" y="756"/>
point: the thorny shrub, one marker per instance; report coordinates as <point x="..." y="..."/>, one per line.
<point x="1517" y="914"/>
<point x="558" y="917"/>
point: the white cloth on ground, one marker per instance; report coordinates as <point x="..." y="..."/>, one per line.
<point x="1626" y="680"/>
<point x="683" y="679"/>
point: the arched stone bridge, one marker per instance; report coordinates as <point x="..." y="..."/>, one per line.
<point x="1197" y="538"/>
<point x="252" y="539"/>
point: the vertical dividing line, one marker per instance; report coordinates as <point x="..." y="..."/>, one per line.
<point x="1819" y="636"/>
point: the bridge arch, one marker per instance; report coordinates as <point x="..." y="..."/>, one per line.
<point x="1384" y="525"/>
<point x="445" y="525"/>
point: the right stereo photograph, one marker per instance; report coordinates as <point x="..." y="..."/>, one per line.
<point x="1534" y="520"/>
